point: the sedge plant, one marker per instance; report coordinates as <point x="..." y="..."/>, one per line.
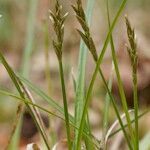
<point x="58" y="23"/>
<point x="132" y="51"/>
<point x="120" y="84"/>
<point x="91" y="46"/>
<point x="80" y="122"/>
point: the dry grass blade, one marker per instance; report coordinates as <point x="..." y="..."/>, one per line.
<point x="27" y="101"/>
<point x="16" y="122"/>
<point x="34" y="109"/>
<point x="18" y="86"/>
<point x="114" y="125"/>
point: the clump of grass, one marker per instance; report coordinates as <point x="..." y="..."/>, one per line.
<point x="91" y="46"/>
<point x="120" y="84"/>
<point x="83" y="127"/>
<point x="132" y="51"/>
<point x="58" y="23"/>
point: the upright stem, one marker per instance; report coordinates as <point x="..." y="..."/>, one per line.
<point x="135" y="97"/>
<point x="132" y="51"/>
<point x="65" y="104"/>
<point x="106" y="106"/>
<point x="120" y="85"/>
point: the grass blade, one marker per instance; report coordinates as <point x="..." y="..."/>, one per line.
<point x="139" y="116"/>
<point x="114" y="125"/>
<point x="86" y="36"/>
<point x="47" y="111"/>
<point x="107" y="104"/>
<point x="13" y="140"/>
<point x="52" y="103"/>
<point x="39" y="92"/>
<point x="17" y="85"/>
<point x="29" y="38"/>
<point x="120" y="85"/>
<point x="26" y="60"/>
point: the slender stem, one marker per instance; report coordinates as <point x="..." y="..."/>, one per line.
<point x="120" y="85"/>
<point x="15" y="129"/>
<point x="106" y="106"/>
<point x="38" y="126"/>
<point x="134" y="75"/>
<point x="121" y="90"/>
<point x="65" y="104"/>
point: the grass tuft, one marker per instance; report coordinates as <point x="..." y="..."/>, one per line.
<point x="83" y="138"/>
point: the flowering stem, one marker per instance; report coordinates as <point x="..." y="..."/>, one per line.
<point x="65" y="104"/>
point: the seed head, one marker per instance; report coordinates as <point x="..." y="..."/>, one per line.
<point x="85" y="35"/>
<point x="57" y="20"/>
<point x="132" y="49"/>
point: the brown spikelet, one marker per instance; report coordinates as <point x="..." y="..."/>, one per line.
<point x="132" y="49"/>
<point x="85" y="35"/>
<point x="58" y="19"/>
